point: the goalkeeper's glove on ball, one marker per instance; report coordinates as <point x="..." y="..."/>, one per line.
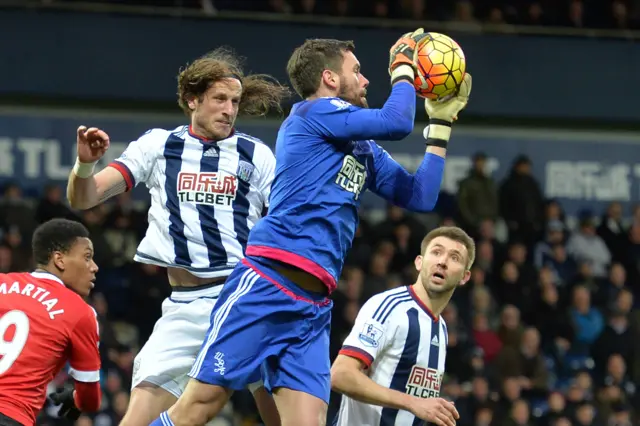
<point x="402" y="56"/>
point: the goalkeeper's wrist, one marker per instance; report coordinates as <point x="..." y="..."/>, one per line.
<point x="437" y="133"/>
<point x="84" y="170"/>
<point x="403" y="72"/>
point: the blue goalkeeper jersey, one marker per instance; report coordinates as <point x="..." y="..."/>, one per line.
<point x="325" y="160"/>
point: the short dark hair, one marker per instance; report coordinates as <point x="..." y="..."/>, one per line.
<point x="55" y="235"/>
<point x="308" y="61"/>
<point x="453" y="233"/>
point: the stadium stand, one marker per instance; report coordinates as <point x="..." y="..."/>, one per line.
<point x="618" y="14"/>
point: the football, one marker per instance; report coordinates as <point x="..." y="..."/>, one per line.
<point x="441" y="66"/>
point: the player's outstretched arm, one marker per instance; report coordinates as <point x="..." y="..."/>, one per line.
<point x="348" y="378"/>
<point x="84" y="188"/>
<point x="135" y="165"/>
<point x="337" y="120"/>
<point x="419" y="192"/>
<point x="86" y="192"/>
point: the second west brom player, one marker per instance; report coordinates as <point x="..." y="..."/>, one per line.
<point x="391" y="365"/>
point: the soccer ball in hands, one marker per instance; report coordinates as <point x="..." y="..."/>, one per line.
<point x="440" y="65"/>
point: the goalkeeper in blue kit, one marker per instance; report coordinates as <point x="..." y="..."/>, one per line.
<point x="273" y="315"/>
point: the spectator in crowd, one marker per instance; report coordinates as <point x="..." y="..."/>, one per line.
<point x="477" y="195"/>
<point x="525" y="363"/>
<point x="522" y="203"/>
<point x="613" y="232"/>
<point x="587" y="247"/>
<point x="587" y="321"/>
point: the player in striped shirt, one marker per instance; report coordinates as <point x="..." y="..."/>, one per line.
<point x="391" y="365"/>
<point x="209" y="185"/>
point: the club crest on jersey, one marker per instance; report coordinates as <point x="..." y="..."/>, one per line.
<point x="245" y="170"/>
<point x="424" y="382"/>
<point x="352" y="175"/>
<point x="370" y="335"/>
<point x="340" y="104"/>
<point x="210" y="188"/>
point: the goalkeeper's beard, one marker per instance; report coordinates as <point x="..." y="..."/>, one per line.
<point x="358" y="98"/>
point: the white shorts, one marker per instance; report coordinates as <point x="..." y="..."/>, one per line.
<point x="167" y="357"/>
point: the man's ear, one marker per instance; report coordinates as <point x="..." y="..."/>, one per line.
<point x="330" y="79"/>
<point x="466" y="277"/>
<point x="193" y="102"/>
<point x="58" y="260"/>
<point x="418" y="263"/>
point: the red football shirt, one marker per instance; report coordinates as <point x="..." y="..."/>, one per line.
<point x="43" y="325"/>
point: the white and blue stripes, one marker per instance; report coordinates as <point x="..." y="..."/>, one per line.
<point x="163" y="420"/>
<point x="166" y="420"/>
<point x="207" y="238"/>
<point x="390" y="301"/>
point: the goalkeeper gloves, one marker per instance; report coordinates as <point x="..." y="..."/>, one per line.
<point x="64" y="397"/>
<point x="443" y="112"/>
<point x="402" y="55"/>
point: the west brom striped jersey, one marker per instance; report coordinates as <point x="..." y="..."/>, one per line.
<point x="205" y="197"/>
<point x="404" y="347"/>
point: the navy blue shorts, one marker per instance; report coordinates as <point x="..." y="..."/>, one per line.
<point x="265" y="325"/>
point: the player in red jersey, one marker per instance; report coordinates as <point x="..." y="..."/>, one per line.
<point x="44" y="322"/>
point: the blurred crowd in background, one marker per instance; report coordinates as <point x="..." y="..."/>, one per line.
<point x="612" y="14"/>
<point x="546" y="333"/>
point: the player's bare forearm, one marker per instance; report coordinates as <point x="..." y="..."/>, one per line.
<point x="86" y="193"/>
<point x="81" y="193"/>
<point x="348" y="378"/>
